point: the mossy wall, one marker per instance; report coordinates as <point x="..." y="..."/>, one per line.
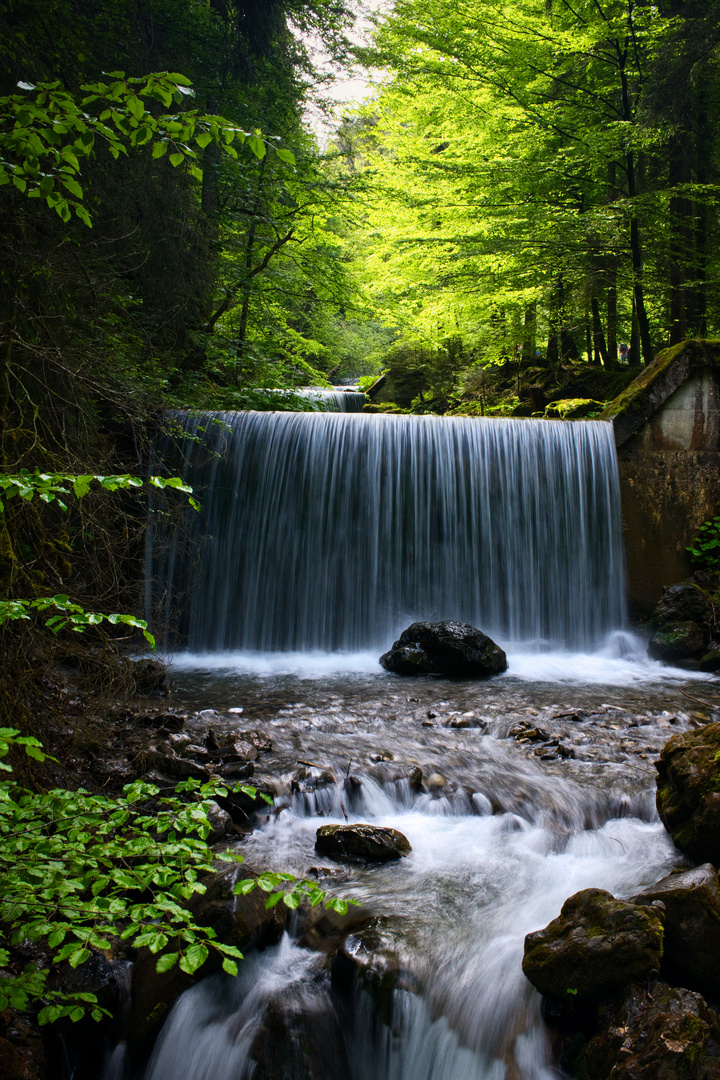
<point x="667" y="426"/>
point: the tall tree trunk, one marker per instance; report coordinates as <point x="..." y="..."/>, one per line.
<point x="681" y="242"/>
<point x="601" y="353"/>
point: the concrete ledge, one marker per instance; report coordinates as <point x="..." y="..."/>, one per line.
<point x="652" y="388"/>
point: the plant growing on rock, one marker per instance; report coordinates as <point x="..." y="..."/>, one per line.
<point x="705" y="548"/>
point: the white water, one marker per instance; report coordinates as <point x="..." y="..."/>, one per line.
<point x="621" y="660"/>
<point x="332" y="532"/>
<point x="459" y="908"/>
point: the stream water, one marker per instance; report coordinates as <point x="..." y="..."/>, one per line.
<point x="503" y="829"/>
<point x="514" y="793"/>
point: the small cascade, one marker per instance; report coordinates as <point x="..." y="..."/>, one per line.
<point x="334" y="531"/>
<point x="335" y="400"/>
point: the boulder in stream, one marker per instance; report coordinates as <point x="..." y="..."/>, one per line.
<point x="691" y="899"/>
<point x="688" y="799"/>
<point x="361" y="843"/>
<point x="595" y="946"/>
<point x="655" y="1032"/>
<point x="449" y="648"/>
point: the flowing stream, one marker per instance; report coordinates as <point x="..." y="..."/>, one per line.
<point x="514" y="793"/>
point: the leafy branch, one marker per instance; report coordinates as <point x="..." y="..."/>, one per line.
<point x="78" y="871"/>
<point x="49" y="486"/>
<point x="46" y="133"/>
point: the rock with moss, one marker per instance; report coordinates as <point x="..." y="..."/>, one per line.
<point x="361" y="843"/>
<point x="595" y="946"/>
<point x="678" y="642"/>
<point x="688" y="795"/>
<point x="573" y="409"/>
<point x="691" y="902"/>
<point x="654" y="1032"/>
<point x="454" y="649"/>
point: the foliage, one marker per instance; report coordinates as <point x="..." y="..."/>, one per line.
<point x="73" y="615"/>
<point x="78" y="871"/>
<point x="705" y="548"/>
<point x="43" y="138"/>
<point x="48" y="486"/>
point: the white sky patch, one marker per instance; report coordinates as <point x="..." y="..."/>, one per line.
<point x="349" y="87"/>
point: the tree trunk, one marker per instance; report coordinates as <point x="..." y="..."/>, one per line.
<point x="601" y="353"/>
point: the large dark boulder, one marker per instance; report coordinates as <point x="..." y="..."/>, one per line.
<point x="595" y="946"/>
<point x="682" y="603"/>
<point x="361" y="843"/>
<point x="688" y="799"/>
<point x="654" y="1032"/>
<point x="447" y="648"/>
<point x="678" y="641"/>
<point x="691" y="956"/>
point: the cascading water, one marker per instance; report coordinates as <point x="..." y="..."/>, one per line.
<point x="333" y="532"/>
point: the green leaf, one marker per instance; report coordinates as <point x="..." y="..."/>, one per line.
<point x="229" y="966"/>
<point x="193" y="958"/>
<point x="257" y="146"/>
<point x="166" y="961"/>
<point x="286" y="155"/>
<point x="176" y="159"/>
<point x="203" y="139"/>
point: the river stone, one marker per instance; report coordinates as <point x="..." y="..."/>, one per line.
<point x="367" y="959"/>
<point x="595" y="946"/>
<point x="655" y="1032"/>
<point x="682" y="603"/>
<point x="688" y="801"/>
<point x="361" y="843"/>
<point x="677" y="641"/>
<point x="447" y="648"/>
<point x="692" y="927"/>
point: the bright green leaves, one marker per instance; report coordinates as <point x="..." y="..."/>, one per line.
<point x="77" y="870"/>
<point x="50" y="486"/>
<point x="45" y="137"/>
<point x="286" y="887"/>
<point x="73" y="616"/>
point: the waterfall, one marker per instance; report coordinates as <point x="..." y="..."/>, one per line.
<point x="333" y="531"/>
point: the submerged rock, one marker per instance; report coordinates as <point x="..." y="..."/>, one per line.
<point x="688" y="801"/>
<point x="595" y="946"/>
<point x="655" y="1032"/>
<point x="691" y="900"/>
<point x="361" y="843"/>
<point x="447" y="648"/>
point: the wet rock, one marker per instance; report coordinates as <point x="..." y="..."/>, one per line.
<point x="300" y="1036"/>
<point x="244" y="749"/>
<point x="361" y="843"/>
<point x="22" y="1054"/>
<point x="149" y="676"/>
<point x="163" y="757"/>
<point x="160" y="721"/>
<point x="449" y="648"/>
<point x="240" y="805"/>
<point x="243" y="921"/>
<point x="691" y="901"/>
<point x="366" y="959"/>
<point x="677" y="641"/>
<point x="710" y="661"/>
<point x="525" y="732"/>
<point x="688" y="801"/>
<point x="220" y="822"/>
<point x="682" y="603"/>
<point x="260" y="742"/>
<point x="323" y="930"/>
<point x="236" y="770"/>
<point x="655" y="1032"/>
<point x="595" y="946"/>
